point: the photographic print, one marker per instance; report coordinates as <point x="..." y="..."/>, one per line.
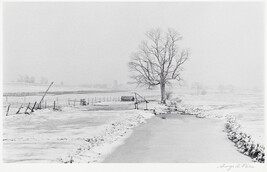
<point x="133" y="82"/>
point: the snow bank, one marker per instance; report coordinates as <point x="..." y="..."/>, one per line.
<point x="95" y="149"/>
<point x="244" y="142"/>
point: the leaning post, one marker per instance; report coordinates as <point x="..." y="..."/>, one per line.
<point x="45" y="93"/>
<point x="28" y="107"/>
<point x="19" y="109"/>
<point x="8" y="109"/>
<point x="33" y="107"/>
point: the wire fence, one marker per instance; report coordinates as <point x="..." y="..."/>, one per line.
<point x="26" y="105"/>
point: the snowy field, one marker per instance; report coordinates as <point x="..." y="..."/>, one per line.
<point x="246" y="106"/>
<point x="31" y="88"/>
<point x="88" y="133"/>
<point x="77" y="134"/>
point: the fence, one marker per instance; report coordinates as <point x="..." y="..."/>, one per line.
<point x="27" y="105"/>
<point x="140" y="99"/>
<point x="91" y="101"/>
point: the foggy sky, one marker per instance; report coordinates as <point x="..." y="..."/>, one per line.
<point x="86" y="42"/>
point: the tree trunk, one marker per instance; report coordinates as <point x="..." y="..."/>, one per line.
<point x="162" y="91"/>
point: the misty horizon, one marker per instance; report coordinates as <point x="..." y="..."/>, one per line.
<point x="91" y="43"/>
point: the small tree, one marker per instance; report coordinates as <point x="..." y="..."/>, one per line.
<point x="158" y="60"/>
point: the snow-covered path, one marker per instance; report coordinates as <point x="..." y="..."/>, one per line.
<point x="178" y="139"/>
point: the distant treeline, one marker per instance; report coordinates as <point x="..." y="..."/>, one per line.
<point x="31" y="79"/>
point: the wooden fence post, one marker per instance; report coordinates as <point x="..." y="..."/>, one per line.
<point x="33" y="106"/>
<point x="8" y="109"/>
<point x="19" y="109"/>
<point x="54" y="108"/>
<point x="46" y="92"/>
<point x="136" y="102"/>
<point x="27" y="108"/>
<point x="146" y="103"/>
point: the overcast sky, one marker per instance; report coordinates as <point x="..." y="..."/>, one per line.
<point x="89" y="42"/>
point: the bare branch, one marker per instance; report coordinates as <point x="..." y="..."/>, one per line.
<point x="158" y="59"/>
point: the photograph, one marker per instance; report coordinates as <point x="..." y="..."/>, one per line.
<point x="134" y="82"/>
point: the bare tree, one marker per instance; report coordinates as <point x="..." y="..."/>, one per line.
<point x="158" y="60"/>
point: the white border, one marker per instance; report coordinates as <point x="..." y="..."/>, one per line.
<point x="117" y="167"/>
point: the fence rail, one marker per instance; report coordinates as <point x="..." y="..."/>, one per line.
<point x="27" y="105"/>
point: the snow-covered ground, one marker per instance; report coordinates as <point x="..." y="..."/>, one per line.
<point x="89" y="133"/>
<point x="246" y="106"/>
<point x="70" y="135"/>
<point x="30" y="87"/>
